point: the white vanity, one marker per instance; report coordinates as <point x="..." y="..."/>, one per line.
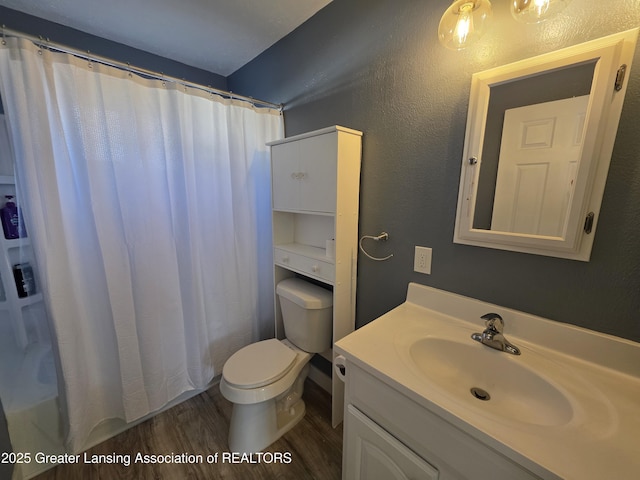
<point x="425" y="401"/>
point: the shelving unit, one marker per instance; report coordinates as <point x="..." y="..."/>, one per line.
<point x="316" y="188"/>
<point x="17" y="310"/>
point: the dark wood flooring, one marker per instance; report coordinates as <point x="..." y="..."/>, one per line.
<point x="199" y="426"/>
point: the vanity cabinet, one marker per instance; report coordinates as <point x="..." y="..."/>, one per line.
<point x="410" y="441"/>
<point x="551" y="413"/>
<point x="376" y="455"/>
<point x="315" y="180"/>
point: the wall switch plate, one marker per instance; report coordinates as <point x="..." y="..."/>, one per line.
<point x="422" y="260"/>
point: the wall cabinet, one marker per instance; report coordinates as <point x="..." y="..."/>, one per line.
<point x="304" y="174"/>
<point x="315" y="198"/>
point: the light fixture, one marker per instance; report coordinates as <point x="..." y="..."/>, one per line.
<point x="463" y="23"/>
<point x="535" y="11"/>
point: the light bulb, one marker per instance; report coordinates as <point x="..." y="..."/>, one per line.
<point x="534" y="11"/>
<point x="464" y="25"/>
<point x="463" y="22"/>
<point x="540" y="7"/>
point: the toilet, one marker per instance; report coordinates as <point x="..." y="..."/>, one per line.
<point x="265" y="380"/>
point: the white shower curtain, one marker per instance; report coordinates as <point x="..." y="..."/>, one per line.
<point x="148" y="208"/>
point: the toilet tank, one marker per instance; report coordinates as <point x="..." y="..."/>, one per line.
<point x="307" y="314"/>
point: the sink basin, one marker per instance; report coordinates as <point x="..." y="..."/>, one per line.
<point x="567" y="407"/>
<point x="496" y="382"/>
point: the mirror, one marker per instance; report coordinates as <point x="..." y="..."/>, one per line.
<point x="533" y="132"/>
<point x="538" y="144"/>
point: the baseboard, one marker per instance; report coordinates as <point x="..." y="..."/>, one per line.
<point x="320" y="378"/>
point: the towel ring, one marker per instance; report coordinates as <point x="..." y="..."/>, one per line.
<point x="384" y="236"/>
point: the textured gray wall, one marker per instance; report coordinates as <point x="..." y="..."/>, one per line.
<point x="377" y="66"/>
<point x="38" y="27"/>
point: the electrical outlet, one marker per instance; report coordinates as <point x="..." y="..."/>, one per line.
<point x="422" y="260"/>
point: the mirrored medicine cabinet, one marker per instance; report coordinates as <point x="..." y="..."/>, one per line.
<point x="538" y="144"/>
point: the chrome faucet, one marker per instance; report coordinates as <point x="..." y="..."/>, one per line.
<point x="492" y="335"/>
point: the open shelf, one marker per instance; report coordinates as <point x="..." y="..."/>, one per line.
<point x="16" y="251"/>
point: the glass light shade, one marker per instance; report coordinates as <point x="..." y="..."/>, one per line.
<point x="535" y="11"/>
<point x="463" y="23"/>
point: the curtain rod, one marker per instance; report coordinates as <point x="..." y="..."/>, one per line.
<point x="46" y="43"/>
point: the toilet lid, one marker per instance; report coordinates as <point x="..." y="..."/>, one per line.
<point x="258" y="364"/>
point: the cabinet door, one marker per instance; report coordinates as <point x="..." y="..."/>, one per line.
<point x="371" y="453"/>
<point x="304" y="174"/>
<point x="318" y="167"/>
<point x="285" y="174"/>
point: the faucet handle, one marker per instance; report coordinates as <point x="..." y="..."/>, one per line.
<point x="493" y="321"/>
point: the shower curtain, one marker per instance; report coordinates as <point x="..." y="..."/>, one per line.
<point x="147" y="204"/>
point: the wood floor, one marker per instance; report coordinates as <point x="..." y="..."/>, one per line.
<point x="199" y="426"/>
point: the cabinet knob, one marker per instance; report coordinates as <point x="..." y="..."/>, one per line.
<point x="315" y="268"/>
<point x="285" y="259"/>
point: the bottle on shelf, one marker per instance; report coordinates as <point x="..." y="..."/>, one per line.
<point x="25" y="281"/>
<point x="12" y="223"/>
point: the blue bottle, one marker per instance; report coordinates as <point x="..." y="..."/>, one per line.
<point x="11" y="221"/>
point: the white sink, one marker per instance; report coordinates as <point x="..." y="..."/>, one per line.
<point x="567" y="406"/>
<point x="495" y="382"/>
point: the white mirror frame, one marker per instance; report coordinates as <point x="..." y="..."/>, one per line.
<point x="601" y="125"/>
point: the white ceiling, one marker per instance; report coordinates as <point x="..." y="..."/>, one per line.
<point x="219" y="36"/>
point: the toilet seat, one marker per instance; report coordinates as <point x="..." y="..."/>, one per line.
<point x="258" y="364"/>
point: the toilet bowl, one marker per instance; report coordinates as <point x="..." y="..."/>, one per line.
<point x="265" y="380"/>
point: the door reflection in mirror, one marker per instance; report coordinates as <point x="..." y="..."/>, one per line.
<point x="531" y="147"/>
